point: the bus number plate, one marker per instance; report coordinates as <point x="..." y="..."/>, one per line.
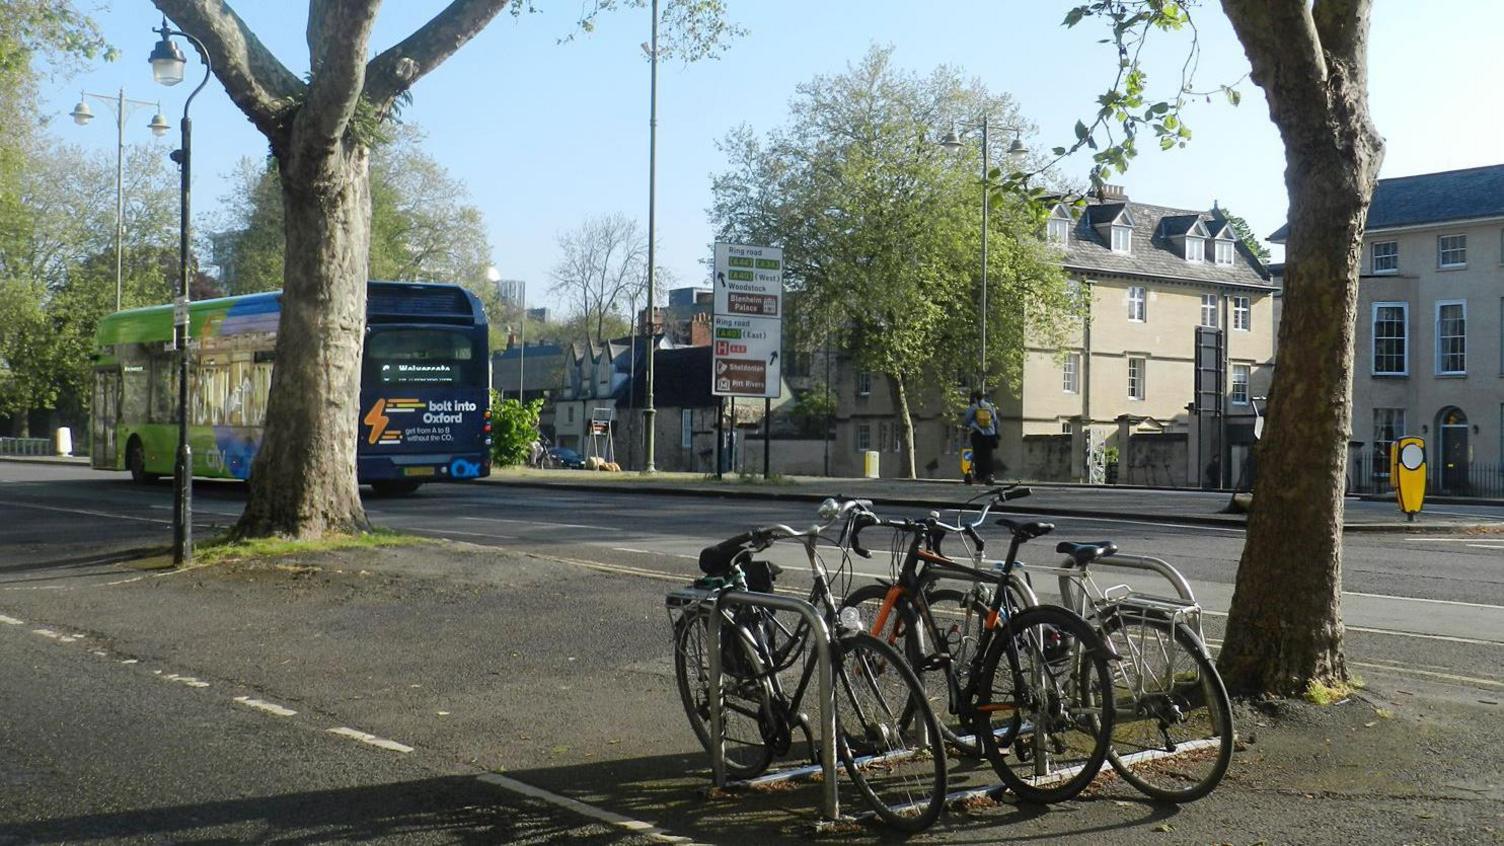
<point x="417" y="471"/>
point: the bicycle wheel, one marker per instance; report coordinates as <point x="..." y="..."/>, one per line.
<point x="1045" y="725"/>
<point x="887" y="735"/>
<point x="747" y="754"/>
<point x="1172" y="737"/>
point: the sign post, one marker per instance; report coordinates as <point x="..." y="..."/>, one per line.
<point x="747" y="324"/>
<point x="1407" y="472"/>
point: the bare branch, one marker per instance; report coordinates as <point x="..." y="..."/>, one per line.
<point x="339" y="34"/>
<point x="397" y="68"/>
<point x="257" y="82"/>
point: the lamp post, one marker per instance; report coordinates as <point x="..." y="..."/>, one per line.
<point x="122" y="106"/>
<point x="167" y="65"/>
<point x="648" y="412"/>
<point x="952" y="141"/>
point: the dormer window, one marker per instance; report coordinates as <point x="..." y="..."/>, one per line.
<point x="1195" y="249"/>
<point x="1225" y="251"/>
<point x="1122" y="239"/>
<point x="1058" y="227"/>
<point x="1113" y="223"/>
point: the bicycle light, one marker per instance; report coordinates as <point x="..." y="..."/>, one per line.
<point x="829" y="509"/>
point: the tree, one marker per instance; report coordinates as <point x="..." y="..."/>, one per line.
<point x="423" y="227"/>
<point x="320" y="133"/>
<point x="1284" y="630"/>
<point x="880" y="226"/>
<point x="603" y="264"/>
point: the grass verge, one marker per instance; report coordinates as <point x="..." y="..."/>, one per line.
<point x="221" y="550"/>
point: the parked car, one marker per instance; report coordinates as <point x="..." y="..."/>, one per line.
<point x="566" y="458"/>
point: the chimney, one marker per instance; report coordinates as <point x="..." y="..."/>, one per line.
<point x="1112" y="194"/>
<point x="699" y="330"/>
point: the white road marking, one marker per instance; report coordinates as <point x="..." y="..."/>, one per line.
<point x="130" y="661"/>
<point x="1487" y="545"/>
<point x="630" y="549"/>
<point x="445" y="532"/>
<point x="86" y="512"/>
<point x="1423" y="599"/>
<point x="188" y="680"/>
<point x="11" y="621"/>
<point x="1413" y="671"/>
<point x="544" y="525"/>
<point x="370" y="739"/>
<point x="1424" y="539"/>
<point x="651" y="831"/>
<point x="47" y="633"/>
<point x="1392" y="632"/>
<point x="268" y="707"/>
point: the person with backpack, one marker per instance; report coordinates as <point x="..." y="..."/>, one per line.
<point x="981" y="423"/>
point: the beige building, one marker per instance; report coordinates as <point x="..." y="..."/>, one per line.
<point x="1428" y="346"/>
<point x="1126" y="381"/>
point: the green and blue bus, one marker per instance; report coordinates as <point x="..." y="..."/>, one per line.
<point x="424" y="387"/>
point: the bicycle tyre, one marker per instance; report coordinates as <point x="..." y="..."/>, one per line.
<point x="747" y="754"/>
<point x="903" y="778"/>
<point x="1198" y="703"/>
<point x="1075" y="685"/>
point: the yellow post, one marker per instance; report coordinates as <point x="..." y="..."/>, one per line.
<point x="1407" y="473"/>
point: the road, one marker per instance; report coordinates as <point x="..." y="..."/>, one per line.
<point x="1424" y="612"/>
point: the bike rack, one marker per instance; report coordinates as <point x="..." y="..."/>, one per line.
<point x="1151" y="564"/>
<point x="820" y="634"/>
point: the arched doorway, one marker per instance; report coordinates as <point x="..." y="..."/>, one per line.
<point x="1452" y="450"/>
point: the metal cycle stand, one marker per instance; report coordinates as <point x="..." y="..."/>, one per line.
<point x="820" y="633"/>
<point x="1151" y="564"/>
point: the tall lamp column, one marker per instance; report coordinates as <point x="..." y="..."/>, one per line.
<point x="167" y="65"/>
<point x="648" y="412"/>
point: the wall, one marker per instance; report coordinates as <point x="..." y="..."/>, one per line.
<point x="1046" y="458"/>
<point x="1156" y="459"/>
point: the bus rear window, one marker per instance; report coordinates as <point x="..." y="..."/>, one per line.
<point x="422" y="356"/>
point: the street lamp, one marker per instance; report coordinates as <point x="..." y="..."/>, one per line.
<point x="648" y="412"/>
<point x="123" y="107"/>
<point x="167" y="65"/>
<point x="952" y="141"/>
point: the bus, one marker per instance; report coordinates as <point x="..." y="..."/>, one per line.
<point x="425" y="377"/>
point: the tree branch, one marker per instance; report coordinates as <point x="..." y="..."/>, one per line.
<point x="1284" y="50"/>
<point x="390" y="74"/>
<point x="339" y="33"/>
<point x="257" y="82"/>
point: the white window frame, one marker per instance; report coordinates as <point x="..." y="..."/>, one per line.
<point x="1394" y="415"/>
<point x="1242" y="314"/>
<point x="1067" y="427"/>
<point x="1058" y="230"/>
<point x="1391" y="258"/>
<point x="1458" y="246"/>
<point x="1440" y="354"/>
<point x="1070" y="370"/>
<point x="864" y="383"/>
<point x="1210" y="307"/>
<point x="1138" y="371"/>
<point x="1122" y="239"/>
<point x="1373" y="362"/>
<point x="862" y="437"/>
<point x="1138" y="304"/>
<point x="1226" y="252"/>
<point x="1195" y="249"/>
<point x="1246" y="370"/>
<point x="686" y="428"/>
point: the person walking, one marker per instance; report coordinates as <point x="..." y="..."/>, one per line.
<point x="981" y="423"/>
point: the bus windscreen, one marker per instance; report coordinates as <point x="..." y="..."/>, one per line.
<point x="423" y="357"/>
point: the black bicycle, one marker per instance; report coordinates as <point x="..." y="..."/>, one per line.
<point x="1029" y="688"/>
<point x="887" y="737"/>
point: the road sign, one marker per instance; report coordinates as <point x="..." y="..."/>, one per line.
<point x="747" y="325"/>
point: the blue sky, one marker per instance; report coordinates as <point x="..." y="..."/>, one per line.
<point x="545" y="134"/>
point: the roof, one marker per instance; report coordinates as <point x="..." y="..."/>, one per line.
<point x="1153" y="253"/>
<point x="681" y="379"/>
<point x="532" y="350"/>
<point x="1451" y="195"/>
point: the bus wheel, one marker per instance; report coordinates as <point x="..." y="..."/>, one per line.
<point x="394" y="487"/>
<point x="135" y="461"/>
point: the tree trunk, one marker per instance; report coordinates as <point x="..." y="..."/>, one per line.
<point x="303" y="479"/>
<point x="905" y="424"/>
<point x="1285" y="629"/>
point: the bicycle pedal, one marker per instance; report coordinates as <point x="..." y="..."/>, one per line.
<point x="935" y="662"/>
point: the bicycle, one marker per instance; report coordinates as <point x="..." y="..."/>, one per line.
<point x="1042" y="664"/>
<point x="887" y="737"/>
<point x="1173" y="732"/>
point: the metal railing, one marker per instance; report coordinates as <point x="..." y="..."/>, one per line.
<point x="1369" y="474"/>
<point x="26" y="446"/>
<point x="820" y="634"/>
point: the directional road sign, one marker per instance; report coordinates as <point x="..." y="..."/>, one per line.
<point x="747" y="329"/>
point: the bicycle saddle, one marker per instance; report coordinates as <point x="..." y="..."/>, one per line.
<point x="1085" y="553"/>
<point x="1028" y="531"/>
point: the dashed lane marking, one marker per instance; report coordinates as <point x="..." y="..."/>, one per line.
<point x="1423" y="599"/>
<point x="11" y="621"/>
<point x="370" y="739"/>
<point x="86" y="512"/>
<point x="647" y="829"/>
<point x="268" y="707"/>
<point x="188" y="680"/>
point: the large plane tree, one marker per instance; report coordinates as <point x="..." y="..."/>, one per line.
<point x="320" y="131"/>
